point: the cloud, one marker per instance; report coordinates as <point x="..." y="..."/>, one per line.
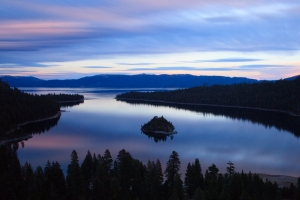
<point x="55" y="31"/>
<point x="163" y="68"/>
<point x="97" y="67"/>
<point x="181" y="69"/>
<point x="224" y="60"/>
<point x="8" y="72"/>
<point x="24" y="64"/>
<point x="264" y="67"/>
<point x="135" y="63"/>
<point x="234" y="68"/>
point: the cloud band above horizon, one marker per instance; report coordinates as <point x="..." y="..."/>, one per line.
<point x="210" y="35"/>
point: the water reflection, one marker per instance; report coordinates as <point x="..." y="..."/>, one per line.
<point x="213" y="136"/>
<point x="38" y="127"/>
<point x="280" y="121"/>
<point x="25" y="132"/>
<point x="158" y="137"/>
<point x="70" y="104"/>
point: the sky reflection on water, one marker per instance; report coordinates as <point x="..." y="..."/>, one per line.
<point x="103" y="123"/>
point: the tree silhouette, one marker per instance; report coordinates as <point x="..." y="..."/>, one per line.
<point x="75" y="180"/>
<point x="230" y="168"/>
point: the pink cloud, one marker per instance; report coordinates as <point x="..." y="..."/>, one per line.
<point x="12" y="29"/>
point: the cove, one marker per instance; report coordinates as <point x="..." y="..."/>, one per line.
<point x="255" y="141"/>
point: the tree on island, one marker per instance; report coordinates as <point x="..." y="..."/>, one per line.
<point x="158" y="124"/>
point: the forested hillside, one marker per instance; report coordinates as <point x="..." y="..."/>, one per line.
<point x="125" y="178"/>
<point x="281" y="95"/>
<point x="18" y="107"/>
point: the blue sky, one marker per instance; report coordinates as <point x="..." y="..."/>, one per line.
<point x="70" y="39"/>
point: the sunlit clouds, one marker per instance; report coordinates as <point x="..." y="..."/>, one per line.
<point x="256" y="39"/>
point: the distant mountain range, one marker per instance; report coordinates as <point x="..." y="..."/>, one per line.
<point x="127" y="81"/>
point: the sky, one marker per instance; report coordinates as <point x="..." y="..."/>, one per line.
<point x="54" y="39"/>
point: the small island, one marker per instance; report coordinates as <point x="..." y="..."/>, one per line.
<point x="159" y="125"/>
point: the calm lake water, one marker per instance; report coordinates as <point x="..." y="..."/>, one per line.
<point x="215" y="137"/>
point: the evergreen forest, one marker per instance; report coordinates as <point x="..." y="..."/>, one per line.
<point x="281" y="95"/>
<point x="101" y="177"/>
<point x="18" y="107"/>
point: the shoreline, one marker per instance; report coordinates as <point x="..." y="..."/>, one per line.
<point x="213" y="105"/>
<point x="26" y="137"/>
<point x="159" y="132"/>
<point x="18" y="139"/>
<point x="40" y="120"/>
<point x="73" y="101"/>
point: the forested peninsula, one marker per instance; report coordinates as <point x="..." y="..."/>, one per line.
<point x="280" y="96"/>
<point x="18" y="107"/>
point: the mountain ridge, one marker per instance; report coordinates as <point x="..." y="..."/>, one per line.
<point x="127" y="81"/>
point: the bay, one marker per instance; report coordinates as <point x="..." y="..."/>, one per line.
<point x="102" y="122"/>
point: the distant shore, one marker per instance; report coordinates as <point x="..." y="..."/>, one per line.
<point x="213" y="105"/>
<point x="281" y="180"/>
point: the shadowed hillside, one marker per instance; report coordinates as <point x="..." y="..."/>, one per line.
<point x="280" y="96"/>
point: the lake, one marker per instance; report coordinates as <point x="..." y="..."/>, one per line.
<point x="259" y="142"/>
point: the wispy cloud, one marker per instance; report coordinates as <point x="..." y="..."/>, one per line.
<point x="8" y="72"/>
<point x="233" y="68"/>
<point x="224" y="60"/>
<point x="183" y="69"/>
<point x="265" y="67"/>
<point x="135" y="63"/>
<point x="24" y="65"/>
<point x="55" y="31"/>
<point x="97" y="67"/>
<point x="163" y="68"/>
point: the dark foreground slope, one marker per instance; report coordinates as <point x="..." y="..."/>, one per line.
<point x="128" y="81"/>
<point x="17" y="107"/>
<point x="101" y="177"/>
<point x="281" y="95"/>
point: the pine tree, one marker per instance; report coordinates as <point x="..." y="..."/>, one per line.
<point x="225" y="193"/>
<point x="199" y="194"/>
<point x="114" y="189"/>
<point x="97" y="190"/>
<point x="75" y="181"/>
<point x="188" y="180"/>
<point x="27" y="186"/>
<point x="87" y="172"/>
<point x="245" y="196"/>
<point x="174" y="195"/>
<point x="297" y="196"/>
<point x="39" y="184"/>
<point x="125" y="173"/>
<point x="230" y="168"/>
<point x="198" y="176"/>
<point x="154" y="180"/>
<point x="95" y="163"/>
<point x="236" y="186"/>
<point x="173" y="167"/>
<point x="107" y="162"/>
<point x="139" y="180"/>
<point x="178" y="186"/>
